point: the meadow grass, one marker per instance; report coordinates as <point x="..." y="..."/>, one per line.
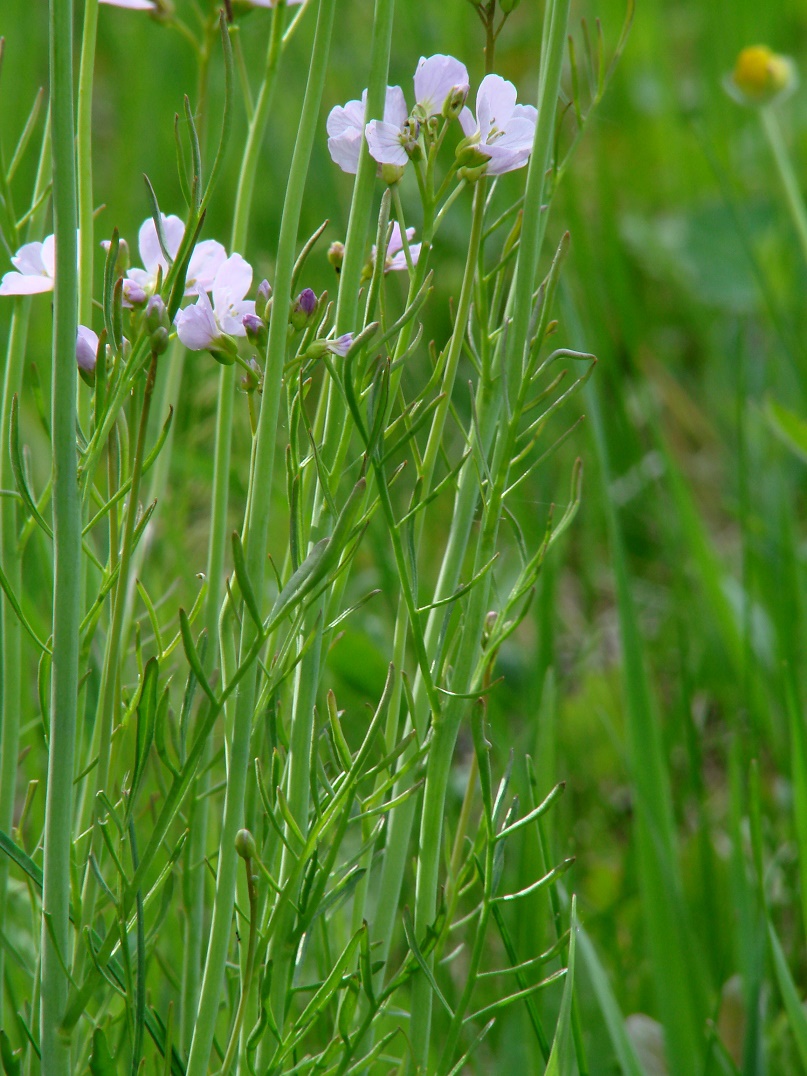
<point x="412" y="901"/>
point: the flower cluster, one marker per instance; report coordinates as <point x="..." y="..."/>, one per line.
<point x="221" y="315"/>
<point x="499" y="139"/>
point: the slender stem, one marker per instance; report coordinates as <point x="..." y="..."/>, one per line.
<point x="255" y="536"/>
<point x="249" y="968"/>
<point x="257" y="130"/>
<point x="84" y="158"/>
<point x="784" y="165"/>
<point x="11" y="627"/>
<point x="67" y="553"/>
<point x="106" y="704"/>
<point x="217" y="542"/>
<point x="10" y="553"/>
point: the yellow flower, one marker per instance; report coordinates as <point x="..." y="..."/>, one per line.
<point x="760" y="76"/>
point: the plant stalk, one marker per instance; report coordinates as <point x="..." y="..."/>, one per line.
<point x="67" y="553"/>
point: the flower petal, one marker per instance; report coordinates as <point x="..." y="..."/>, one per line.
<point x="345" y="150"/>
<point x="384" y="140"/>
<point x="28" y="260"/>
<point x="196" y="325"/>
<point x="233" y="280"/>
<point x="86" y="348"/>
<point x="22" y="284"/>
<point x="342" y="119"/>
<point x="149" y="245"/>
<point x="395" y="110"/>
<point x="206" y="260"/>
<point x="468" y="123"/>
<point x="495" y="101"/>
<point x="232" y="321"/>
<point x="132" y="5"/>
<point x="437" y="78"/>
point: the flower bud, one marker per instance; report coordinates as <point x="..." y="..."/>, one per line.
<point x="86" y="353"/>
<point x="253" y="378"/>
<point x="338" y="347"/>
<point x="122" y="259"/>
<point x="159" y="341"/>
<point x="156" y="314"/>
<point x="336" y="255"/>
<point x="761" y="76"/>
<point x="133" y="293"/>
<point x="245" y="844"/>
<point x="256" y="329"/>
<point x="455" y="102"/>
<point x="263" y="301"/>
<point x="509" y="6"/>
<point x="303" y="309"/>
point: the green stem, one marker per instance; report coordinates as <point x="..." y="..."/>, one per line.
<point x="255" y="536"/>
<point x="439" y="763"/>
<point x="84" y="158"/>
<point x="784" y="165"/>
<point x="217" y="543"/>
<point x="105" y="713"/>
<point x="67" y="553"/>
<point x="10" y="552"/>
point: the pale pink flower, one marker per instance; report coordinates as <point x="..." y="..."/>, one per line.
<point x="346" y="128"/>
<point x="503" y="131"/>
<point x="395" y="260"/>
<point x="34" y="264"/>
<point x="203" y="325"/>
<point x="205" y="261"/>
<point x="441" y="82"/>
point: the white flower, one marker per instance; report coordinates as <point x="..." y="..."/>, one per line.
<point x="346" y="126"/>
<point x="205" y="261"/>
<point x="440" y="82"/>
<point x="204" y="325"/>
<point x="395" y="260"/>
<point x="34" y="263"/>
<point x="503" y="131"/>
<point x="132" y="5"/>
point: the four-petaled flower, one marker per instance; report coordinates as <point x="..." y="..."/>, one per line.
<point x="395" y="260"/>
<point x="34" y="265"/>
<point x="346" y="128"/>
<point x="205" y="325"/>
<point x="207" y="258"/>
<point x="441" y="84"/>
<point x="503" y="130"/>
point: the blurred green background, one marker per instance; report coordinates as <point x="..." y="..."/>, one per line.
<point x="685" y="280"/>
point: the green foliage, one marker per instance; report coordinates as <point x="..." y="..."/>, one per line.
<point x="420" y="891"/>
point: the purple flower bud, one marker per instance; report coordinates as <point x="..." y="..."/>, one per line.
<point x="255" y="328"/>
<point x="308" y="301"/>
<point x="263" y="303"/>
<point x="303" y="309"/>
<point x="133" y="293"/>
